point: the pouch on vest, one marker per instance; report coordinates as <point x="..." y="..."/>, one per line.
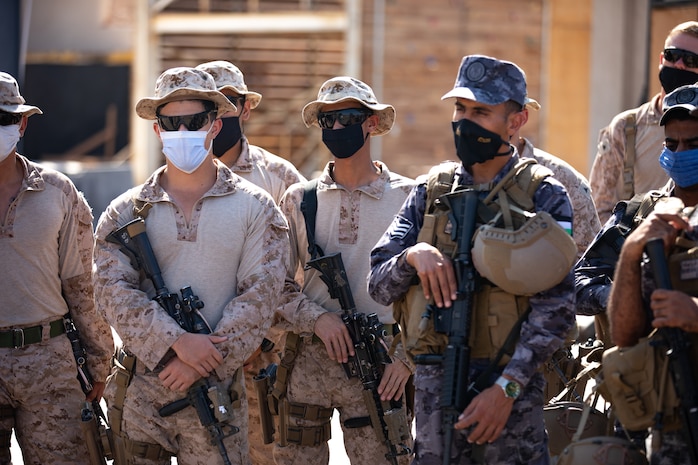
<point x="637" y="383"/>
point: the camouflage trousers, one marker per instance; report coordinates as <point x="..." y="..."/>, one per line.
<point x="674" y="451"/>
<point x="181" y="433"/>
<point x="317" y="380"/>
<point x="524" y="440"/>
<point x="39" y="382"/>
<point x="260" y="453"/>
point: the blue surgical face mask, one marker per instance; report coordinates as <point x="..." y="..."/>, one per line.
<point x="682" y="167"/>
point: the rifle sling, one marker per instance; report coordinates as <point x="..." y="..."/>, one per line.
<point x="309" y="210"/>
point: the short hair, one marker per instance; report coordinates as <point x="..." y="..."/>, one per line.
<point x="511" y="106"/>
<point x="689" y="27"/>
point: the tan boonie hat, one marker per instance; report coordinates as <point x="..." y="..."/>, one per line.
<point x="10" y="99"/>
<point x="229" y="76"/>
<point x="345" y="88"/>
<point x="183" y="84"/>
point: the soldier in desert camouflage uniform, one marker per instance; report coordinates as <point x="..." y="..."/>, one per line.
<point x="356" y="199"/>
<point x="210" y="230"/>
<point x="620" y="171"/>
<point x="507" y="416"/>
<point x="273" y="174"/>
<point x="46" y="248"/>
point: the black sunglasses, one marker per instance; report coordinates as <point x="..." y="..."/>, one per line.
<point x="191" y="122"/>
<point x="346" y="117"/>
<point x="8" y="119"/>
<point x="689" y="59"/>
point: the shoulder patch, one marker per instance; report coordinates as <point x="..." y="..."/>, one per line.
<point x="401" y="226"/>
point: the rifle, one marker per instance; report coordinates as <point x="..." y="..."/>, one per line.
<point x="678" y="352"/>
<point x="94" y="423"/>
<point x="455" y="322"/>
<point x="212" y="406"/>
<point x="368" y="364"/>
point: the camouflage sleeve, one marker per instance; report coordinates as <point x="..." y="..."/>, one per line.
<point x="552" y="312"/>
<point x="143" y="326"/>
<point x="607" y="169"/>
<point x="297" y="309"/>
<point x="593" y="273"/>
<point x="586" y="219"/>
<point x="78" y="290"/>
<point x="391" y="276"/>
<point x="260" y="277"/>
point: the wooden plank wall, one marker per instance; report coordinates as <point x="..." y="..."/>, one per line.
<point x="424" y="44"/>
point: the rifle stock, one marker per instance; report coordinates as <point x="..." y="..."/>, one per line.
<point x="679" y="356"/>
<point x="370" y="357"/>
<point x="212" y="406"/>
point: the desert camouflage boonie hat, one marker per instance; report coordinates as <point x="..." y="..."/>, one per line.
<point x="491" y="81"/>
<point x="682" y="100"/>
<point x="345" y="88"/>
<point x="10" y="99"/>
<point x="183" y="83"/>
<point x="229" y="76"/>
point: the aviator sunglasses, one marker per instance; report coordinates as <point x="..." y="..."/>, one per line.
<point x="191" y="122"/>
<point x="8" y="119"/>
<point x="689" y="59"/>
<point x="346" y="117"/>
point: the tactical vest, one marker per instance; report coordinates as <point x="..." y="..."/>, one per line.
<point x="494" y="309"/>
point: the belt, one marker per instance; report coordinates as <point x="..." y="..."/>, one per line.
<point x="20" y="337"/>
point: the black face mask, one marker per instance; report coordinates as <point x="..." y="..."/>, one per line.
<point x="673" y="78"/>
<point x="475" y="144"/>
<point x="344" y="142"/>
<point x="230" y="134"/>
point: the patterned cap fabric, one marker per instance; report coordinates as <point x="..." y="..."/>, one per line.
<point x="229" y="76"/>
<point x="343" y="89"/>
<point x="183" y="84"/>
<point x="682" y="100"/>
<point x="10" y="99"/>
<point x="490" y="81"/>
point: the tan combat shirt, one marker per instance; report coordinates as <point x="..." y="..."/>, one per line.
<point x="606" y="177"/>
<point x="347" y="222"/>
<point x="46" y="251"/>
<point x="266" y="170"/>
<point x="233" y="254"/>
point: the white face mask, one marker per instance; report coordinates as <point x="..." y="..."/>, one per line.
<point x="9" y="136"/>
<point x="185" y="149"/>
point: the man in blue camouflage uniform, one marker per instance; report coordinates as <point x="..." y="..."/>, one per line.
<point x="489" y="97"/>
<point x="635" y="305"/>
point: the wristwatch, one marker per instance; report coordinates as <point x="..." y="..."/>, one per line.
<point x="511" y="389"/>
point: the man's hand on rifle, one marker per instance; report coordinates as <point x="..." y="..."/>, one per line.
<point x="178" y="376"/>
<point x="199" y="351"/>
<point x="488" y="412"/>
<point x="96" y="392"/>
<point x="435" y="272"/>
<point x="674" y="309"/>
<point x="331" y="329"/>
<point x="393" y="381"/>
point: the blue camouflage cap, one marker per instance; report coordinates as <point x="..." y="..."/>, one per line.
<point x="491" y="81"/>
<point x="682" y="100"/>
